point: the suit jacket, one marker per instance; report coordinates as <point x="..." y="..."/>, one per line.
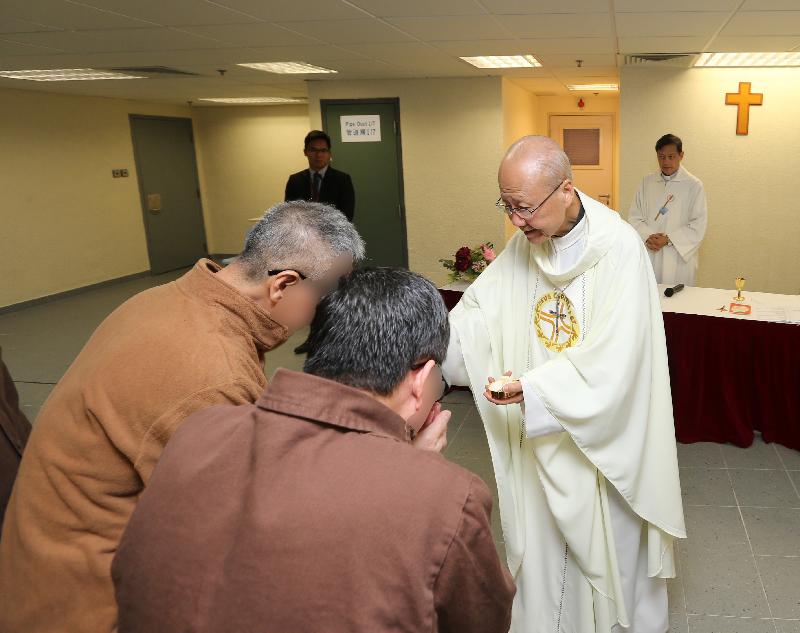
<point x="309" y="511"/>
<point x="337" y="190"/>
<point x="14" y="431"/>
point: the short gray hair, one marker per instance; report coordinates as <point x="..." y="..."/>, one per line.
<point x="375" y="327"/>
<point x="546" y="157"/>
<point x="299" y="235"/>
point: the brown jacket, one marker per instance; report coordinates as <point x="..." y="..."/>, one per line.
<point x="159" y="357"/>
<point x="14" y="431"/>
<point x="310" y="512"/>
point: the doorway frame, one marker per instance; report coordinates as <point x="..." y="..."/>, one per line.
<point x="615" y="130"/>
<point x="395" y="101"/>
<point x="140" y="182"/>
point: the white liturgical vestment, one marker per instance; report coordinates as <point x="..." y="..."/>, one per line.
<point x="676" y="206"/>
<point x="586" y="471"/>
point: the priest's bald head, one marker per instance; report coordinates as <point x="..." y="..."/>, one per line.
<point x="536" y="189"/>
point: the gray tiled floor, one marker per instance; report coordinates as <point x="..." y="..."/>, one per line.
<point x="738" y="572"/>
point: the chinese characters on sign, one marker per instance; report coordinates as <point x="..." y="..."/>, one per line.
<point x="361" y="128"/>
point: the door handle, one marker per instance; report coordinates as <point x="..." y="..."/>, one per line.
<point x="154" y="203"/>
<point x="606" y="196"/>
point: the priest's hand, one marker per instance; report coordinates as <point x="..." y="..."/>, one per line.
<point x="656" y="241"/>
<point x="513" y="391"/>
<point x="432" y="436"/>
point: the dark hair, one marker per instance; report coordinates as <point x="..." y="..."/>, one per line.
<point x="315" y="135"/>
<point x="377" y="324"/>
<point x="668" y="139"/>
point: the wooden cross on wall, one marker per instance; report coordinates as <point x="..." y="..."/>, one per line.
<point x="743" y="99"/>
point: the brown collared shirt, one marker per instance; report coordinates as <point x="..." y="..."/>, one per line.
<point x="311" y="512"/>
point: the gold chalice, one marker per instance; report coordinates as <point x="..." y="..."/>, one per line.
<point x="739" y="285"/>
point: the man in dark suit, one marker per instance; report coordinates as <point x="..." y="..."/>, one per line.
<point x="321" y="182"/>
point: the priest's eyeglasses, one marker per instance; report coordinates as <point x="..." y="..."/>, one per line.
<point x="526" y="213"/>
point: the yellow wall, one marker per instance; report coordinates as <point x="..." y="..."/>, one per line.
<point x="245" y="155"/>
<point x="520" y="116"/>
<point x="452" y="136"/>
<point x="64" y="221"/>
<point x="753" y="226"/>
<point x="601" y="104"/>
<point x="520" y="113"/>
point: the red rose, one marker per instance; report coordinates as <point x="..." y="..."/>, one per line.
<point x="463" y="259"/>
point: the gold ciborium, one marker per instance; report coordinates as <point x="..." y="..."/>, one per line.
<point x="739" y="285"/>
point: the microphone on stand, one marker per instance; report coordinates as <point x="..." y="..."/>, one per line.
<point x="671" y="291"/>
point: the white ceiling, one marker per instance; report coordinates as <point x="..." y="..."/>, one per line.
<point x="367" y="39"/>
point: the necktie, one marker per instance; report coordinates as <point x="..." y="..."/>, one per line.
<point x="317" y="185"/>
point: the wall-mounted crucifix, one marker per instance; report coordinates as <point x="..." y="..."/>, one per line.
<point x="743" y="100"/>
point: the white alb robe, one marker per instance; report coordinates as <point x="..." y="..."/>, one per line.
<point x="610" y="395"/>
<point x="684" y="222"/>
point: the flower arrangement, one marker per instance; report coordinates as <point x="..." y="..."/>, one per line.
<point x="469" y="262"/>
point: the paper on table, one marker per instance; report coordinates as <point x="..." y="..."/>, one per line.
<point x="778" y="314"/>
<point x="793" y="315"/>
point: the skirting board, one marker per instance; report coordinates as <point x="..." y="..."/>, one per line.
<point x="14" y="307"/>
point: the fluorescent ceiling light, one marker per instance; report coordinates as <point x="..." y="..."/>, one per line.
<point x="709" y="60"/>
<point x="504" y="61"/>
<point x="66" y="74"/>
<point x="594" y="87"/>
<point x="252" y="100"/>
<point x="289" y="68"/>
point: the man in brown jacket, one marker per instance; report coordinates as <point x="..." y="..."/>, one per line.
<point x="162" y="355"/>
<point x="312" y="511"/>
<point x="14" y="431"/>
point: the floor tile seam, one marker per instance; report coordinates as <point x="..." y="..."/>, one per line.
<point x="778" y="468"/>
<point x="797" y="507"/>
<point x="753" y="555"/>
<point x="780" y="459"/>
<point x="791" y="482"/>
<point x="728" y="617"/>
<point x="685" y="603"/>
<point x="731" y="617"/>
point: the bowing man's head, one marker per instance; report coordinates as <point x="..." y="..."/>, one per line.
<point x="536" y="189"/>
<point x="384" y="331"/>
<point x="294" y="256"/>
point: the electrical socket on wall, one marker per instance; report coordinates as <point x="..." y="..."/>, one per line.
<point x="119" y="173"/>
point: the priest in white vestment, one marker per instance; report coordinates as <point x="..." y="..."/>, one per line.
<point x="669" y="213"/>
<point x="584" y="448"/>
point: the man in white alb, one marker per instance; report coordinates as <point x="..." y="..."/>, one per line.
<point x="583" y="447"/>
<point x="669" y="213"/>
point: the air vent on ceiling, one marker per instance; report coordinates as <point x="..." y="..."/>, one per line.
<point x="662" y="59"/>
<point x="159" y="71"/>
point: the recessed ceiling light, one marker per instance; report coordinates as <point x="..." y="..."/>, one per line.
<point x="709" y="60"/>
<point x="66" y="74"/>
<point x="594" y="87"/>
<point x="289" y="68"/>
<point x="504" y="61"/>
<point x="253" y="100"/>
